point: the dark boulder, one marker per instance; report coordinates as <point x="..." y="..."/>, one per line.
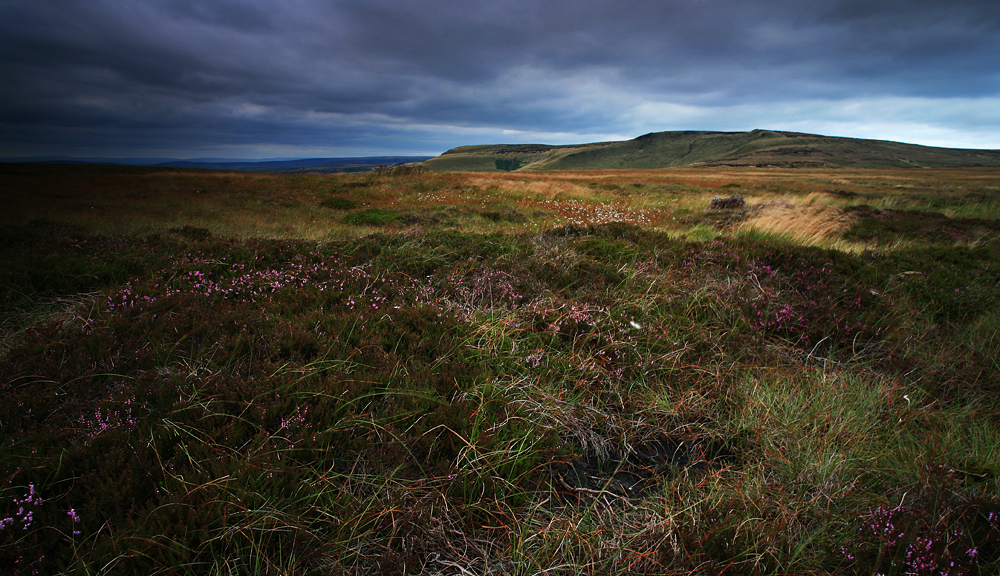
<point x="732" y="203"/>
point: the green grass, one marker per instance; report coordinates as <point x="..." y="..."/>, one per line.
<point x="488" y="396"/>
<point x="371" y="217"/>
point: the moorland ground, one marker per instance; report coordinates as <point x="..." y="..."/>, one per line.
<point x="532" y="373"/>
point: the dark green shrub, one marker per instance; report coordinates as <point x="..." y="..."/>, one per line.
<point x="372" y="217"/>
<point x="504" y="216"/>
<point x="508" y="165"/>
<point x="399" y="170"/>
<point x="339" y="203"/>
<point x="192" y="232"/>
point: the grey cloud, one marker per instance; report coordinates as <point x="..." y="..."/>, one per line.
<point x="187" y="67"/>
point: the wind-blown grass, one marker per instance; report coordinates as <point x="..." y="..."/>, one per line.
<point x="604" y="399"/>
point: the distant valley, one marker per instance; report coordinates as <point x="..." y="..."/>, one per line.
<point x="306" y="165"/>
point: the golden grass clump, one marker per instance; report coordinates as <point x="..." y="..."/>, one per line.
<point x="809" y="224"/>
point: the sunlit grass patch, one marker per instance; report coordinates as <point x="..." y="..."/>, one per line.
<point x="821" y="225"/>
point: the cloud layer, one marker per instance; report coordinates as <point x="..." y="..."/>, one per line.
<point x="272" y="78"/>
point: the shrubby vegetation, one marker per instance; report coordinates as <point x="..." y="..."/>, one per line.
<point x="371" y="217"/>
<point x="508" y="165"/>
<point x="338" y="203"/>
<point x="602" y="398"/>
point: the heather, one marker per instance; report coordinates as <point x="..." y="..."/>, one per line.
<point x="581" y="374"/>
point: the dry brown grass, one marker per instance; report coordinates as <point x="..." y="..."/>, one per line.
<point x="805" y="205"/>
<point x="808" y="223"/>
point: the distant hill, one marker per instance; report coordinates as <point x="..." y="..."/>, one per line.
<point x="763" y="148"/>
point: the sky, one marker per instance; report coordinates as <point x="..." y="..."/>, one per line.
<point x="258" y="79"/>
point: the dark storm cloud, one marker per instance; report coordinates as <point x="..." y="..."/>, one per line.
<point x="187" y="75"/>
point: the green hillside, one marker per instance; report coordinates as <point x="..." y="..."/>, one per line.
<point x="761" y="148"/>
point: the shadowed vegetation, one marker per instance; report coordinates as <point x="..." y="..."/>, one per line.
<point x="567" y="373"/>
<point x="337" y="203"/>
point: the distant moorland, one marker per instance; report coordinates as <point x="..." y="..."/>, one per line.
<point x="759" y="148"/>
<point x="297" y="166"/>
<point x="716" y="369"/>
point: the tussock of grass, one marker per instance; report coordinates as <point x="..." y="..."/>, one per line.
<point x="574" y="398"/>
<point x="809" y="224"/>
